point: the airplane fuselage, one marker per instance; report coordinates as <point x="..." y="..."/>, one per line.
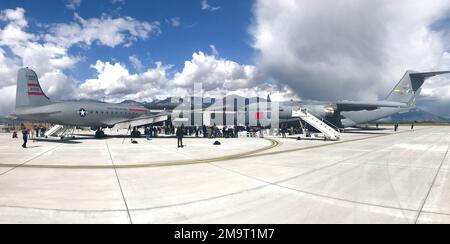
<point x="82" y="114"/>
<point x="341" y="119"/>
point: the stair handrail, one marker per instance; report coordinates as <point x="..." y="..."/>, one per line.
<point x="337" y="129"/>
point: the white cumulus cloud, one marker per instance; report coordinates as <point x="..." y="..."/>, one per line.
<point x="114" y="82"/>
<point x="215" y="73"/>
<point x="105" y="31"/>
<point x="136" y="62"/>
<point x="48" y="54"/>
<point x="348" y="49"/>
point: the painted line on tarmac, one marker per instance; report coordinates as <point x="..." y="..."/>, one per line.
<point x="251" y="154"/>
<point x="432" y="185"/>
<point x="21" y="165"/>
<point x="119" y="183"/>
<point x="274" y="143"/>
<point x="331" y="144"/>
<point x="280" y="182"/>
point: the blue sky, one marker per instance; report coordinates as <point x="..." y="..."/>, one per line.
<point x="225" y="28"/>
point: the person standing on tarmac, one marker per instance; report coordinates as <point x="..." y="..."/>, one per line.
<point x="283" y="130"/>
<point x="36" y="130"/>
<point x="147" y="133"/>
<point x="205" y="131"/>
<point x="180" y="135"/>
<point x="25" y="135"/>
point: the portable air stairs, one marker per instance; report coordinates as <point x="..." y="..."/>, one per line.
<point x="59" y="131"/>
<point x="329" y="132"/>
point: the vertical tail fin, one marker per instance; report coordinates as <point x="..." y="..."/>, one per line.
<point x="29" y="92"/>
<point x="409" y="87"/>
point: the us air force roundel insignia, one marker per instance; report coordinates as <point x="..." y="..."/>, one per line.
<point x="82" y="112"/>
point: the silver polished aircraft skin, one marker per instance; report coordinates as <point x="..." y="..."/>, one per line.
<point x="33" y="105"/>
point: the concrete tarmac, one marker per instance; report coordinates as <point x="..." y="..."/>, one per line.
<point x="367" y="177"/>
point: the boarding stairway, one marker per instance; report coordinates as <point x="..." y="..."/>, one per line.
<point x="57" y="131"/>
<point x="329" y="132"/>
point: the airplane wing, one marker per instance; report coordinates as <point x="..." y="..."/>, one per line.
<point x="142" y="120"/>
<point x="372" y="105"/>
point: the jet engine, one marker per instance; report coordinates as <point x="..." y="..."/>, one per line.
<point x="329" y="111"/>
<point x="324" y="111"/>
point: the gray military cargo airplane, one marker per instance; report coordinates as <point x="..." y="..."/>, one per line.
<point x="33" y="105"/>
<point x="343" y="114"/>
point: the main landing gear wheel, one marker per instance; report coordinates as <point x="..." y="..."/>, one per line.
<point x="99" y="134"/>
<point x="136" y="134"/>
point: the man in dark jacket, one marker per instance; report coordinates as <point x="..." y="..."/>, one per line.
<point x="205" y="131"/>
<point x="283" y="130"/>
<point x="25" y="135"/>
<point x="180" y="135"/>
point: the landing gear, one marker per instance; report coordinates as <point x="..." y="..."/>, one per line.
<point x="136" y="134"/>
<point x="99" y="134"/>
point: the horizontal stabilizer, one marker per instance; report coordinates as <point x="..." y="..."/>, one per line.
<point x="417" y="79"/>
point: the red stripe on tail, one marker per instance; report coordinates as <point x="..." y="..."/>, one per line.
<point x="36" y="93"/>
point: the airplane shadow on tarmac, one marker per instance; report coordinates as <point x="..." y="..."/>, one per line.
<point x="84" y="137"/>
<point x="367" y="132"/>
<point x="92" y="137"/>
<point x="29" y="147"/>
<point x="65" y="141"/>
<point x="76" y="139"/>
